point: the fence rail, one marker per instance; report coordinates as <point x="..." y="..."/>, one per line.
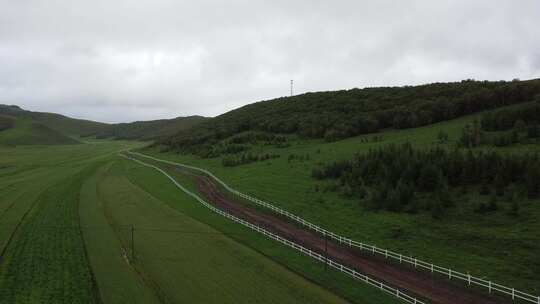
<point x="317" y="256"/>
<point x="419" y="264"/>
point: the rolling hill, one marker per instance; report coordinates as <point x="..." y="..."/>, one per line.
<point x="66" y="125"/>
<point x="25" y="131"/>
<point x="148" y="130"/>
<point x="481" y="195"/>
<point x="30" y="127"/>
<point x="452" y="165"/>
<point x="341" y="114"/>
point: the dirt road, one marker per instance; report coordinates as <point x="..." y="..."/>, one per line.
<point x="433" y="289"/>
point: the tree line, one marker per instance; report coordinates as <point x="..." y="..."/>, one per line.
<point x="504" y="127"/>
<point x="395" y="176"/>
<point x="246" y="158"/>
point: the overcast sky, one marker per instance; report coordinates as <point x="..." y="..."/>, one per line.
<point x="120" y="60"/>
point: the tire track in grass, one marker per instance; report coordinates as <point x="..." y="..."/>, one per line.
<point x="22" y="218"/>
<point x="95" y="287"/>
<point x="116" y="234"/>
<point x="18" y="224"/>
<point x="45" y="260"/>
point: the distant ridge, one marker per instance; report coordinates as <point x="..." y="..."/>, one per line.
<point x="62" y="129"/>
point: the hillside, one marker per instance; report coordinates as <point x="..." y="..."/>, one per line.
<point x="342" y="114"/>
<point x="25" y="131"/>
<point x="71" y="127"/>
<point x="148" y="130"/>
<point x="66" y="125"/>
<point x="382" y="188"/>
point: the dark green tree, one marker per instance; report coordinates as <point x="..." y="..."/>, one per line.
<point x="533" y="181"/>
<point x="430" y="178"/>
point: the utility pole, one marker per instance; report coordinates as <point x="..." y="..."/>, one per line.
<point x="291" y="87"/>
<point x="132" y="243"/>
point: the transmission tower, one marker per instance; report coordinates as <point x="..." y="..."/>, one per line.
<point x="291" y="87"/>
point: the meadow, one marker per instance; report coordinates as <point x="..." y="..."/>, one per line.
<point x="67" y="214"/>
<point x="497" y="247"/>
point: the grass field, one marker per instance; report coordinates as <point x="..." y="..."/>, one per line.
<point x="66" y="213"/>
<point x="463" y="240"/>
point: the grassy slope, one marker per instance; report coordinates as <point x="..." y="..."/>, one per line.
<point x="42" y="185"/>
<point x="155" y="183"/>
<point x="46" y="259"/>
<point x="67" y="125"/>
<point x="116" y="280"/>
<point x="60" y="123"/>
<point x="69" y="200"/>
<point x="188" y="261"/>
<point x="463" y="240"/>
<point x="28" y="132"/>
<point x="148" y="130"/>
<point x="75" y="128"/>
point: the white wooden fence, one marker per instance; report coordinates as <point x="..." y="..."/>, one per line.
<point x="419" y="264"/>
<point x="319" y="257"/>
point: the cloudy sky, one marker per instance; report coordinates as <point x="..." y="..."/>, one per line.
<point x="124" y="60"/>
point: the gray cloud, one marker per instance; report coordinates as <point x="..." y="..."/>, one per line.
<point x="147" y="59"/>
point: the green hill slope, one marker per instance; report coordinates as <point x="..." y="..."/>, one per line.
<point x="476" y="215"/>
<point x="6" y="122"/>
<point x="72" y="127"/>
<point x="66" y="125"/>
<point x="148" y="130"/>
<point x="342" y="114"/>
<point x="25" y="131"/>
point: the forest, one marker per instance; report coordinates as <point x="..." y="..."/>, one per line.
<point x="401" y="178"/>
<point x="504" y="127"/>
<point x="340" y="114"/>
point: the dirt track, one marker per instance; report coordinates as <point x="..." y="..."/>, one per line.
<point x="433" y="289"/>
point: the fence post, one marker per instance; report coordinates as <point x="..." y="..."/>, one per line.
<point x="325" y="251"/>
<point x="400" y="257"/>
<point x="513" y="293"/>
<point x="431" y="267"/>
<point x="386" y="253"/>
<point x="469" y="278"/>
<point x="449" y="273"/>
<point x="489" y="286"/>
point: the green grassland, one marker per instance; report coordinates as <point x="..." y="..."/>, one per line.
<point x="66" y="213"/>
<point x="497" y="247"/>
<point x="188" y="261"/>
<point x="43" y="254"/>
